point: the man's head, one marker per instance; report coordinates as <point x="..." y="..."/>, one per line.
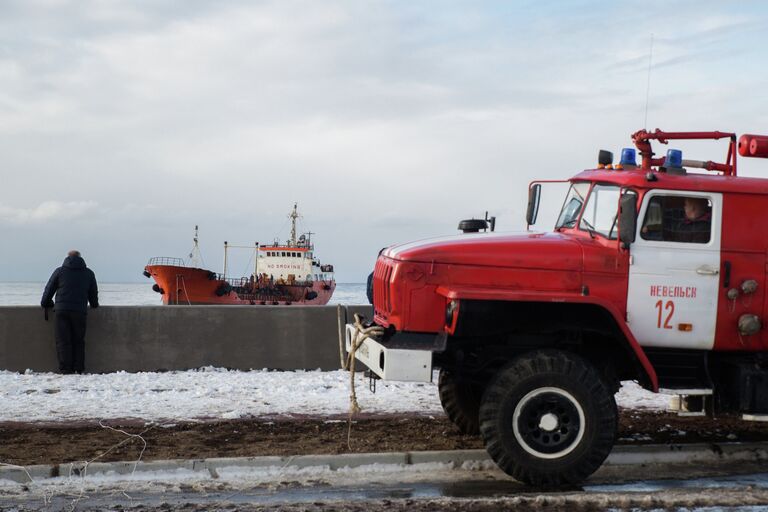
<point x="695" y="207"/>
<point x="73" y="253"/>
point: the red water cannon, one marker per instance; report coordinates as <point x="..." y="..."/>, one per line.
<point x="753" y="145"/>
<point x="643" y="138"/>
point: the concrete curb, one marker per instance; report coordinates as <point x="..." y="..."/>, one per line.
<point x="622" y="455"/>
<point x="629" y="455"/>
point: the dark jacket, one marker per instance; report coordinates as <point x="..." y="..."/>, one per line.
<point x="74" y="285"/>
<point x="696" y="231"/>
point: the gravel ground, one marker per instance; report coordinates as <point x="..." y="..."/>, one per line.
<point x="25" y="443"/>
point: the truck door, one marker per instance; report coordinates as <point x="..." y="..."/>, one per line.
<point x="674" y="270"/>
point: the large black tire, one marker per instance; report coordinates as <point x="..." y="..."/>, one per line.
<point x="461" y="402"/>
<point x="548" y="418"/>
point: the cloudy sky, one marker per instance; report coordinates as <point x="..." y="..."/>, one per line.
<point x="124" y="124"/>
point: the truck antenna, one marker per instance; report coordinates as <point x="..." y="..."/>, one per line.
<point x="648" y="85"/>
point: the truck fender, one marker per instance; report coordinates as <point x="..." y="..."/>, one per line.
<point x="459" y="293"/>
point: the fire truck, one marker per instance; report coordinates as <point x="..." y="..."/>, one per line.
<point x="654" y="272"/>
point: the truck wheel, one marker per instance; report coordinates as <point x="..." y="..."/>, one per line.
<point x="548" y="419"/>
<point x="460" y="401"/>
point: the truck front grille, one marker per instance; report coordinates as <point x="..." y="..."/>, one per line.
<point x="382" y="301"/>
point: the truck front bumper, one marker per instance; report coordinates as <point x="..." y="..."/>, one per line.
<point x="394" y="361"/>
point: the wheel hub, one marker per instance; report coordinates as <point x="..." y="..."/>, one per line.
<point x="548" y="422"/>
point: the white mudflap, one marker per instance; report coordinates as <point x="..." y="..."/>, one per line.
<point x="392" y="363"/>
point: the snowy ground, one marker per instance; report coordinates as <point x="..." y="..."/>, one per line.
<point x="212" y="393"/>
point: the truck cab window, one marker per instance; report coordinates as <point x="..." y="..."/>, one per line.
<point x="685" y="219"/>
<point x="600" y="212"/>
<point x="569" y="215"/>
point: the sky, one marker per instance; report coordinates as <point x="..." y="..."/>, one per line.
<point x="125" y="124"/>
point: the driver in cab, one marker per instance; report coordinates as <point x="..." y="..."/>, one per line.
<point x="695" y="226"/>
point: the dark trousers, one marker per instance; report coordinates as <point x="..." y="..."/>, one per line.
<point x="70" y="341"/>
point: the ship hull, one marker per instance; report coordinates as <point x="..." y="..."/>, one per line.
<point x="196" y="286"/>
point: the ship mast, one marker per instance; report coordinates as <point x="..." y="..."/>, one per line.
<point x="194" y="255"/>
<point x="293" y="216"/>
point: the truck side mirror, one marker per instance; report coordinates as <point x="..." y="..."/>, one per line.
<point x="627" y="218"/>
<point x="534" y="195"/>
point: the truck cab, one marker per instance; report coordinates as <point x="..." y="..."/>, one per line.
<point x="652" y="273"/>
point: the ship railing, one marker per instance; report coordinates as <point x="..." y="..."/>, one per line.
<point x="264" y="247"/>
<point x="233" y="281"/>
<point x="245" y="282"/>
<point x="165" y="260"/>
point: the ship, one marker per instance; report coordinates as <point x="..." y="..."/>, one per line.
<point x="284" y="274"/>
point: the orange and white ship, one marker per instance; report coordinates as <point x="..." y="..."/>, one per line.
<point x="284" y="274"/>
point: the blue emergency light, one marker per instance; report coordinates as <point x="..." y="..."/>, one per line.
<point x="628" y="157"/>
<point x="674" y="158"/>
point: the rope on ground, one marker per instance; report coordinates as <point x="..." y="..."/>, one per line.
<point x="358" y="338"/>
<point x="82" y="473"/>
<point x="14" y="466"/>
<point x="83" y="470"/>
<point x="47" y="496"/>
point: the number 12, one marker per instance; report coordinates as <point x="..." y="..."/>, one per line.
<point x="669" y="306"/>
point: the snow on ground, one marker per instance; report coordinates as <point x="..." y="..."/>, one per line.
<point x="633" y="396"/>
<point x="213" y="393"/>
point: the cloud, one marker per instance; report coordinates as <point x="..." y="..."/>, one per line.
<point x="47" y="212"/>
<point x="386" y="121"/>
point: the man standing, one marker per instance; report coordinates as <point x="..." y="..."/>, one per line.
<point x="74" y="285"/>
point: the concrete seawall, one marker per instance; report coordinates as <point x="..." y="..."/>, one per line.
<point x="150" y="338"/>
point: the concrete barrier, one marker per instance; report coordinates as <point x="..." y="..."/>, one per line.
<point x="151" y="338"/>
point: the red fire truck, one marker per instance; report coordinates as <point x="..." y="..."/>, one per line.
<point x="653" y="273"/>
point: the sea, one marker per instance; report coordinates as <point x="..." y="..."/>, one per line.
<point x="141" y="294"/>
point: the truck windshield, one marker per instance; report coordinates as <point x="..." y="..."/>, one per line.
<point x="569" y="215"/>
<point x="601" y="210"/>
